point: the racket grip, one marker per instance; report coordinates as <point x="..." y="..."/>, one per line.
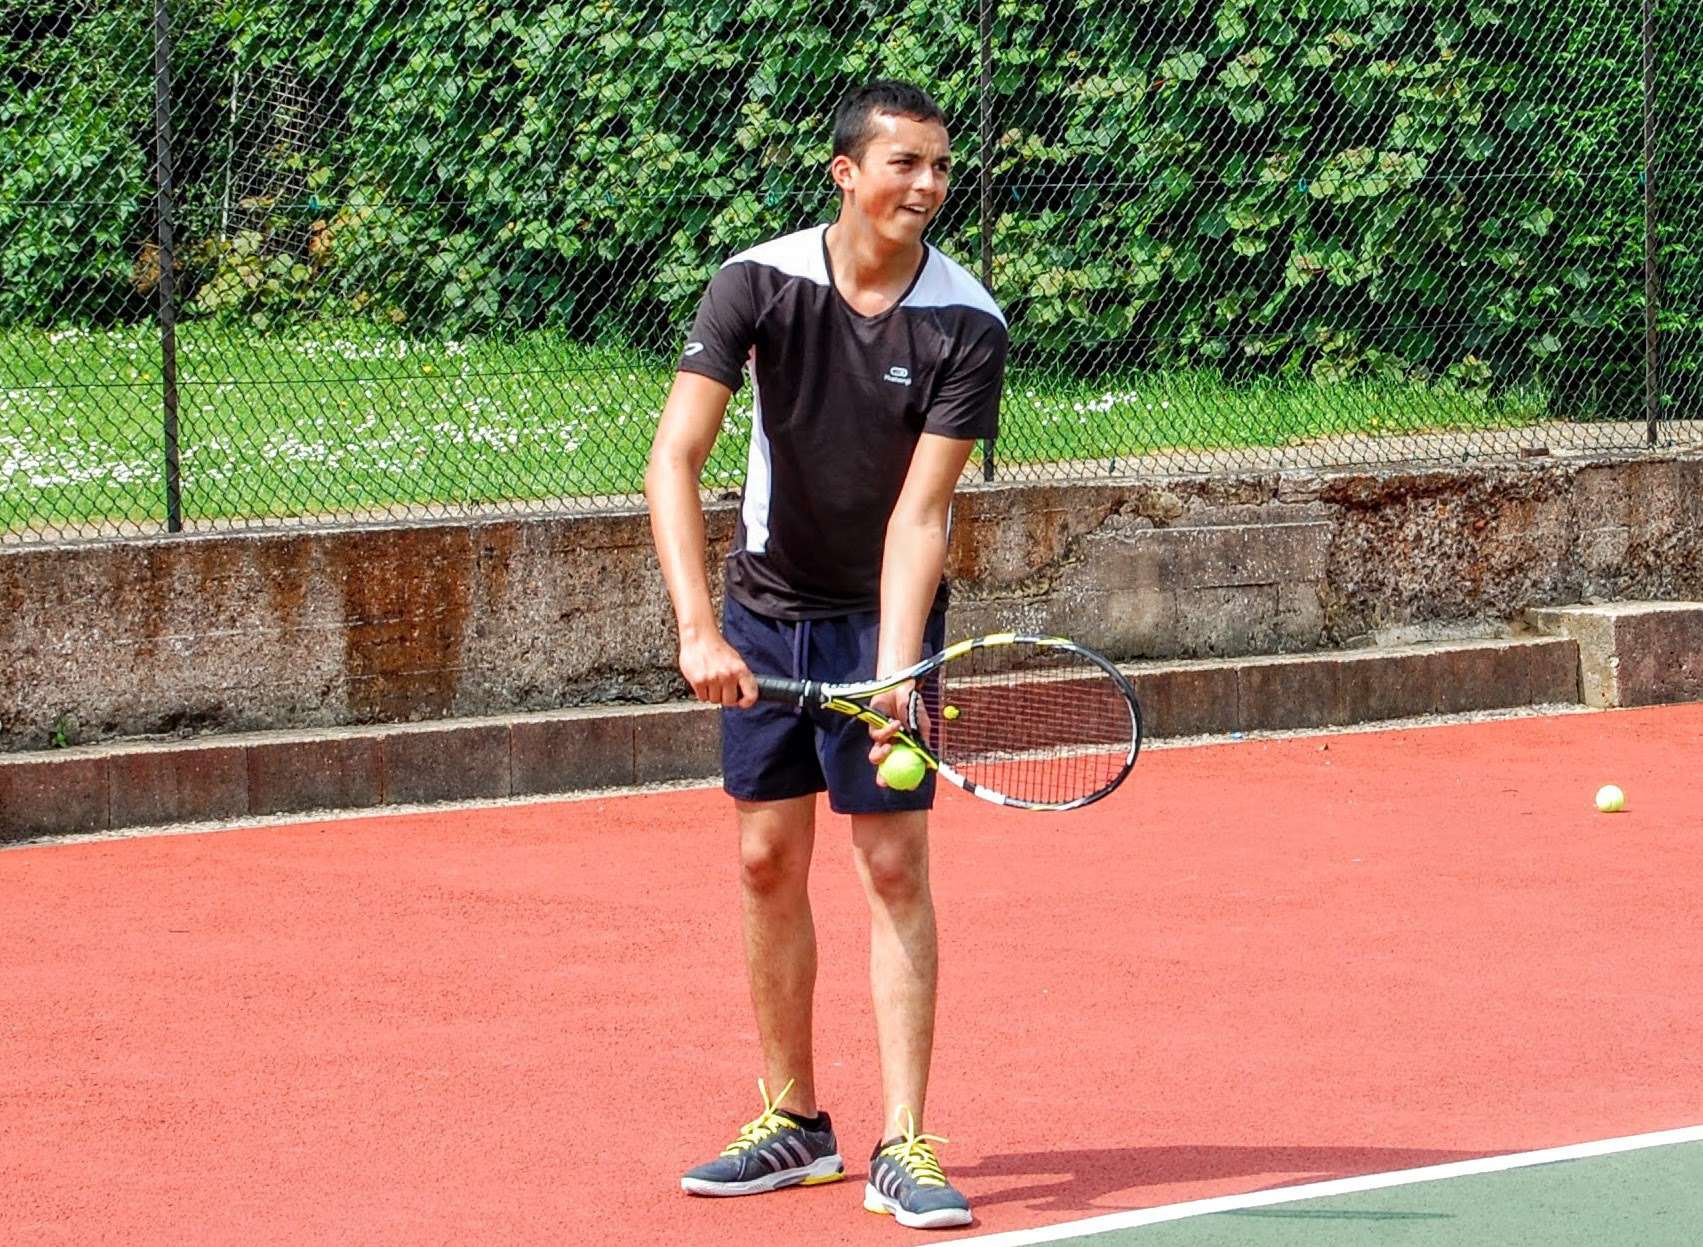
<point x="779" y="688"/>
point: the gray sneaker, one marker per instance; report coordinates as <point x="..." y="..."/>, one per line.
<point x="906" y="1183"/>
<point x="771" y="1152"/>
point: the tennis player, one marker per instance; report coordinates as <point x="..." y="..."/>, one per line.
<point x="875" y="364"/>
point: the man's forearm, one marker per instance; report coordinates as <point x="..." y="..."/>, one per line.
<point x="677" y="525"/>
<point x="912" y="562"/>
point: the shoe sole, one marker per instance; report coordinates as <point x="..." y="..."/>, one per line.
<point x="940" y="1218"/>
<point x="817" y="1173"/>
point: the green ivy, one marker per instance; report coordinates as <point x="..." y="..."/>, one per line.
<point x="1442" y="189"/>
<point x="73" y="170"/>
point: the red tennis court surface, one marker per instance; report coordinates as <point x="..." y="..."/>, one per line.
<point x="1260" y="963"/>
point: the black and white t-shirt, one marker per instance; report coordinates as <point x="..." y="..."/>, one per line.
<point x="838" y="402"/>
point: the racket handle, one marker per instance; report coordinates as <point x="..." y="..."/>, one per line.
<point x="779" y="688"/>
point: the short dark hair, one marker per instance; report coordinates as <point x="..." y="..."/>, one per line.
<point x="853" y="128"/>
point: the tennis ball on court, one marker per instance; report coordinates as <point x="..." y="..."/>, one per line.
<point x="1610" y="800"/>
<point x="902" y="769"/>
<point x="951" y="712"/>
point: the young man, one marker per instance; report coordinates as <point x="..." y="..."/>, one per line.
<point x="875" y="363"/>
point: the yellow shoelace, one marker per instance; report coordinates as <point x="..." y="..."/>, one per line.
<point x="755" y="1131"/>
<point x="916" y="1154"/>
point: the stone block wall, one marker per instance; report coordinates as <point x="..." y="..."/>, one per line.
<point x="397" y="624"/>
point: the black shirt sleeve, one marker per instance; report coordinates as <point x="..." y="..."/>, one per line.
<point x="967" y="403"/>
<point x="725" y="327"/>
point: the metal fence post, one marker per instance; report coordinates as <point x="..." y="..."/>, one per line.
<point x="985" y="129"/>
<point x="1652" y="272"/>
<point x="167" y="286"/>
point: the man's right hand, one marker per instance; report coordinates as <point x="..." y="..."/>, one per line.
<point x="716" y="672"/>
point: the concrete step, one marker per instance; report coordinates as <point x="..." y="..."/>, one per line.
<point x="1631" y="653"/>
<point x="228" y="777"/>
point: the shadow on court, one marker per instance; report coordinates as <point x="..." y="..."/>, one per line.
<point x="1078" y="1181"/>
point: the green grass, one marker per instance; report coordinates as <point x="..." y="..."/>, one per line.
<point x="347" y="418"/>
<point x="1146" y="413"/>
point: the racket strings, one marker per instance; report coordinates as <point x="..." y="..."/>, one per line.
<point x="1039" y="724"/>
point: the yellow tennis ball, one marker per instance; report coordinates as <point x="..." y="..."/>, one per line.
<point x="951" y="712"/>
<point x="1610" y="800"/>
<point x="902" y="769"/>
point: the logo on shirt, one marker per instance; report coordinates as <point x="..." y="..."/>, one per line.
<point x="898" y="375"/>
<point x="694" y="348"/>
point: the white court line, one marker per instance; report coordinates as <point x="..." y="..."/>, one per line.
<point x="1336" y="1186"/>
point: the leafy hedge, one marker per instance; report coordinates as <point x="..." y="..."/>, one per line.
<point x="73" y="176"/>
<point x="1441" y="188"/>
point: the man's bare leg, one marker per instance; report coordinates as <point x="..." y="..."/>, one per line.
<point x="775" y="843"/>
<point x="891" y="852"/>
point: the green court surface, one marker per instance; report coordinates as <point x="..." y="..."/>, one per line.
<point x="1651" y="1197"/>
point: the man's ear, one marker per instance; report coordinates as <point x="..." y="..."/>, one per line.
<point x="842" y="169"/>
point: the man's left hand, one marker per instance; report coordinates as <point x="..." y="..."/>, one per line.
<point x="895" y="703"/>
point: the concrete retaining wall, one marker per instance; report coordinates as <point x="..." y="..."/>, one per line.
<point x="308" y="629"/>
<point x="94" y="788"/>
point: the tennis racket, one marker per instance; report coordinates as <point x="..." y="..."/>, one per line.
<point x="1035" y="723"/>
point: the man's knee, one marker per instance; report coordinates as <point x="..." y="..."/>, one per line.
<point x="771" y="864"/>
<point x="895" y="863"/>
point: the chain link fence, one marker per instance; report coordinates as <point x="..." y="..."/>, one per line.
<point x="271" y="262"/>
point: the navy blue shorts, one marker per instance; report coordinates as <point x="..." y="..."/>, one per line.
<point x="773" y="752"/>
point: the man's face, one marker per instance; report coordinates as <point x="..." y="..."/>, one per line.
<point x="900" y="183"/>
